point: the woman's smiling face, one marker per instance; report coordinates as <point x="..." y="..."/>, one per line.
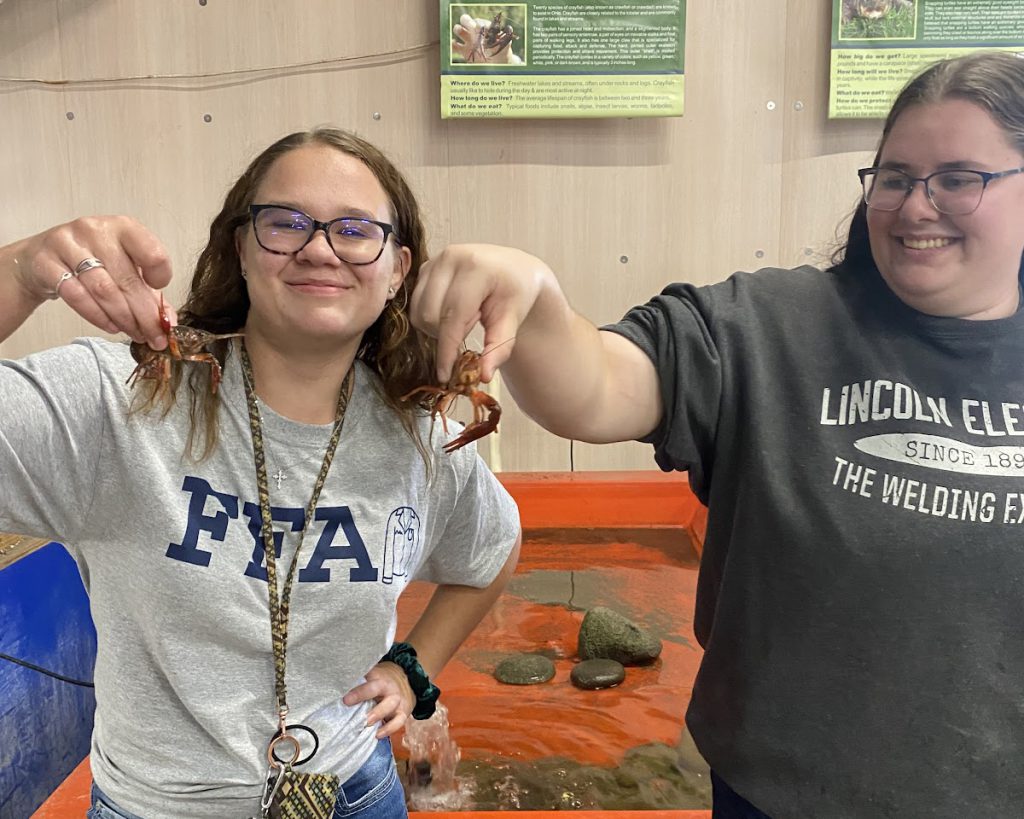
<point x="963" y="266"/>
<point x="312" y="292"/>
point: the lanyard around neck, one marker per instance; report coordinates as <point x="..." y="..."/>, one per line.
<point x="279" y="606"/>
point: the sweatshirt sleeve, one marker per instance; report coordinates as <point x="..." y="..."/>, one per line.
<point x="675" y="330"/>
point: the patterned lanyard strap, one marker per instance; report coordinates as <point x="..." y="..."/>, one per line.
<point x="279" y="607"/>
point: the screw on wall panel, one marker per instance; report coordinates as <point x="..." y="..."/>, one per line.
<point x="70" y="115"/>
<point x="759" y="254"/>
<point x="207" y="118"/>
<point x="202" y="2"/>
<point x="376" y="114"/>
<point x="808" y="252"/>
<point x="624" y="259"/>
<point x="770" y="105"/>
<point x="798" y="106"/>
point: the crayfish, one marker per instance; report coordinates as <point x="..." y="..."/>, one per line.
<point x="493" y="37"/>
<point x="183" y="344"/>
<point x="464" y="381"/>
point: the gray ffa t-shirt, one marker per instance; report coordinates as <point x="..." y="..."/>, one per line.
<point x="171" y="555"/>
<point x="861" y="591"/>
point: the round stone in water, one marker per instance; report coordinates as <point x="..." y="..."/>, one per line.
<point x="595" y="674"/>
<point x="524" y="669"/>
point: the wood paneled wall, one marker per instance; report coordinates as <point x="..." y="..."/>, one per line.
<point x="152" y="109"/>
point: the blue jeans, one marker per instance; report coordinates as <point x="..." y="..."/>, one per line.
<point x="372" y="792"/>
<point x="727" y="804"/>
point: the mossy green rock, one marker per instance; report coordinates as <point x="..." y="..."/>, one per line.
<point x="524" y="669"/>
<point x="594" y="674"/>
<point x="606" y="634"/>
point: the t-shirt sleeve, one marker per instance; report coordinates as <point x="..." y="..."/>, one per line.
<point x="674" y="329"/>
<point x="51" y="429"/>
<point x="472" y="545"/>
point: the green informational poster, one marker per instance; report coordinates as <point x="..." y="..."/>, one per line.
<point x="877" y="45"/>
<point x="562" y="59"/>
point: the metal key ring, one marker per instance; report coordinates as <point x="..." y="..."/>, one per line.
<point x="272" y="751"/>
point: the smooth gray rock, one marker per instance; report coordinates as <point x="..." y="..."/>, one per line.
<point x="606" y="634"/>
<point x="524" y="669"/>
<point x="595" y="674"/>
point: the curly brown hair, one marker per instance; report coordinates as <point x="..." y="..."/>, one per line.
<point x="218" y="300"/>
<point x="992" y="80"/>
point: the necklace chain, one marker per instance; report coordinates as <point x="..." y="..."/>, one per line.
<point x="280" y="474"/>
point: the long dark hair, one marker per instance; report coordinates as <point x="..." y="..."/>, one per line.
<point x="218" y="301"/>
<point x="992" y="80"/>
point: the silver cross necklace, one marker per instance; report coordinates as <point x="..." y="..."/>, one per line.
<point x="281" y="473"/>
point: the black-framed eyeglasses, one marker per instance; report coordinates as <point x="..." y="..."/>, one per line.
<point x="286" y="231"/>
<point x="953" y="192"/>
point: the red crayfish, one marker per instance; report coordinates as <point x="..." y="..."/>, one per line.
<point x="183" y="344"/>
<point x="464" y="381"/>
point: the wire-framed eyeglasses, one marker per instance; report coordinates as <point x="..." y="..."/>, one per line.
<point x="286" y="231"/>
<point x="954" y="192"/>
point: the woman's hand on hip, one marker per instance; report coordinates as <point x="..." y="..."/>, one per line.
<point x="387" y="685"/>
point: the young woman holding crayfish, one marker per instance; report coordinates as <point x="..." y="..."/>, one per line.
<point x="247" y="514"/>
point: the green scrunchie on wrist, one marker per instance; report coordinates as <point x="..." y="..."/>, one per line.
<point x="404" y="656"/>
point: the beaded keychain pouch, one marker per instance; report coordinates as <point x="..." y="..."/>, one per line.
<point x="304" y="796"/>
<point x="293" y="795"/>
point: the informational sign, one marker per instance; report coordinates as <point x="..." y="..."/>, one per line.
<point x="562" y="59"/>
<point x="878" y="45"/>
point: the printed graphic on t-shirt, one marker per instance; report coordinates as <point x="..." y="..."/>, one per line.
<point x="964" y="435"/>
<point x="401" y="542"/>
<point x="333" y="541"/>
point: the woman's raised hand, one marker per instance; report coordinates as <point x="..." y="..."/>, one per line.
<point x="107" y="268"/>
<point x="464" y="285"/>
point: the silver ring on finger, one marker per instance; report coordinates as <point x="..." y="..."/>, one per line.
<point x="65" y="276"/>
<point x="88" y="264"/>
